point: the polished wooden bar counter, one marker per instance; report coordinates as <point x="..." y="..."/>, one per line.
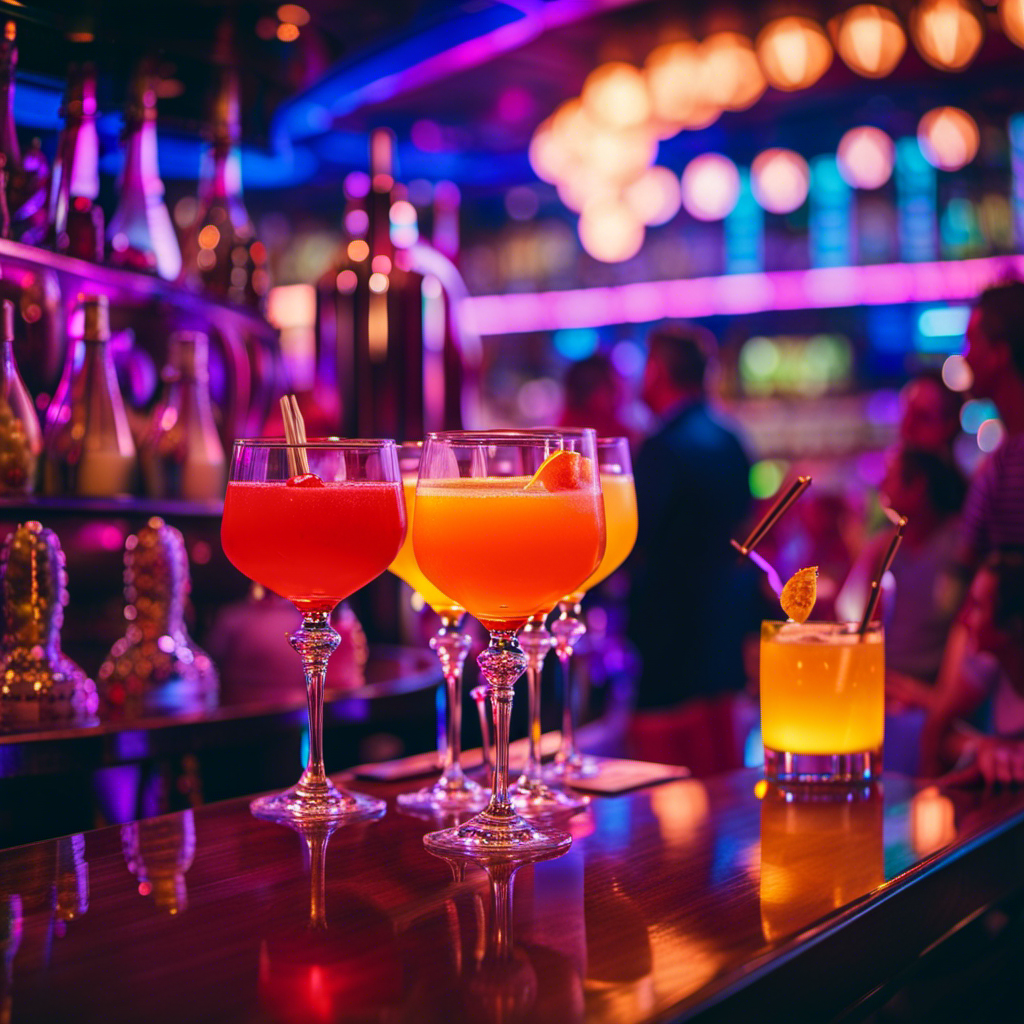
<point x="714" y="899"/>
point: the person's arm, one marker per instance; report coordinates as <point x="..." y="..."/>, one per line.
<point x="956" y="697"/>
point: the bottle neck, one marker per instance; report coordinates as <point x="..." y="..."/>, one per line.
<point x="222" y="178"/>
<point x="141" y="165"/>
<point x="8" y="366"/>
<point x="8" y="133"/>
<point x="82" y="159"/>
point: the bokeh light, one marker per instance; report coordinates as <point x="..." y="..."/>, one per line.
<point x="870" y="40"/>
<point x="522" y="202"/>
<point x="655" y="196"/>
<point x="957" y="374"/>
<point x="1011" y="17"/>
<point x="615" y="94"/>
<point x="948" y="137"/>
<point x="585" y="188"/>
<point x="293" y="14"/>
<point x="576" y="342"/>
<point x="732" y="76"/>
<point x="610" y="231"/>
<point x="766" y="478"/>
<point x="990" y="435"/>
<point x="947" y="33"/>
<point x="976" y="412"/>
<point x="779" y="179"/>
<point x="675" y="81"/>
<point x="710" y="186"/>
<point x="865" y="157"/>
<point x="547" y="157"/>
<point x="794" y="52"/>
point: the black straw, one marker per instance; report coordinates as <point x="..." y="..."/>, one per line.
<point x="876" y="583"/>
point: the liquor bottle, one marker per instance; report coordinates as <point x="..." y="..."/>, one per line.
<point x="156" y="667"/>
<point x="76" y="218"/>
<point x="21" y="441"/>
<point x="140" y="232"/>
<point x="27" y="174"/>
<point x="335" y="290"/>
<point x="384" y="389"/>
<point x="181" y="452"/>
<point x="41" y="683"/>
<point x="223" y="256"/>
<point x="88" y="444"/>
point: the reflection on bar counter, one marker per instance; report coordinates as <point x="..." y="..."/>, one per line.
<point x="820" y="850"/>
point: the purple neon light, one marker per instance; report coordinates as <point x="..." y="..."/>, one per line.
<point x="825" y="288"/>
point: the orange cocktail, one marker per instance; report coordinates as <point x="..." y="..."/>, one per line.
<point x="822" y="699"/>
<point x="312" y="545"/>
<point x="507" y="522"/>
<point x="504" y="550"/>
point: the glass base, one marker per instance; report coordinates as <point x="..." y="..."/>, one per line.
<point x="501" y="835"/>
<point x="534" y="798"/>
<point x="306" y="804"/>
<point x="844" y="769"/>
<point x="581" y="767"/>
<point x="446" y="797"/>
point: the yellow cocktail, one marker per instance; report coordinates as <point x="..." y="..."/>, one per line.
<point x="406" y="568"/>
<point x="503" y="550"/>
<point x="822" y="700"/>
<point x="619" y="495"/>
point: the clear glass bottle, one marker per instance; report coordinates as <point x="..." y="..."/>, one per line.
<point x="181" y="452"/>
<point x="27" y="172"/>
<point x="223" y="257"/>
<point x="76" y="218"/>
<point x="140" y="232"/>
<point x="88" y="444"/>
<point x="21" y="441"/>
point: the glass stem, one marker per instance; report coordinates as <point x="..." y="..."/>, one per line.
<point x="568" y="629"/>
<point x="315" y="640"/>
<point x="536" y="641"/>
<point x="501" y="664"/>
<point x="451" y="647"/>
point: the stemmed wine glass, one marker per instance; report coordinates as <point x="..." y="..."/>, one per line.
<point x="313" y="537"/>
<point x="619" y="496"/>
<point x="453" y="791"/>
<point x="507" y="522"/>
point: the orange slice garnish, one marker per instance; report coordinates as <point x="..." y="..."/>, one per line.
<point x="562" y="471"/>
<point x="800" y="593"/>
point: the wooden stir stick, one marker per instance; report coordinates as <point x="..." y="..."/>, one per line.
<point x="295" y="433"/>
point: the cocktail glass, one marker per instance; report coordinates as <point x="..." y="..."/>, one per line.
<point x="506" y="542"/>
<point x="453" y="791"/>
<point x="569" y="628"/>
<point x="314" y="538"/>
<point x="531" y="794"/>
<point x="822" y="701"/>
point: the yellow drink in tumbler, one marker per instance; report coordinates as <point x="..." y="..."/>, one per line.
<point x="407" y="569"/>
<point x="822" y="688"/>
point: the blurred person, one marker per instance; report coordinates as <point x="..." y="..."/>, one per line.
<point x="993" y="618"/>
<point x="929" y="414"/>
<point x="929" y="490"/>
<point x="688" y="597"/>
<point x="594" y="397"/>
<point x="994" y="510"/>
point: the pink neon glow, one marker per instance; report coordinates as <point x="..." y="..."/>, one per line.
<point x="829" y="288"/>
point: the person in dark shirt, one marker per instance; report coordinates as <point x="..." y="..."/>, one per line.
<point x="688" y="599"/>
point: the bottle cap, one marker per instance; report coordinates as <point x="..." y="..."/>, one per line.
<point x="187" y="353"/>
<point x="97" y="318"/>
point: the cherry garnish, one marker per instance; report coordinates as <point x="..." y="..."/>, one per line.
<point x="306" y="480"/>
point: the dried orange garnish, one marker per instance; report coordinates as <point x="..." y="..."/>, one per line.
<point x="800" y="593"/>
